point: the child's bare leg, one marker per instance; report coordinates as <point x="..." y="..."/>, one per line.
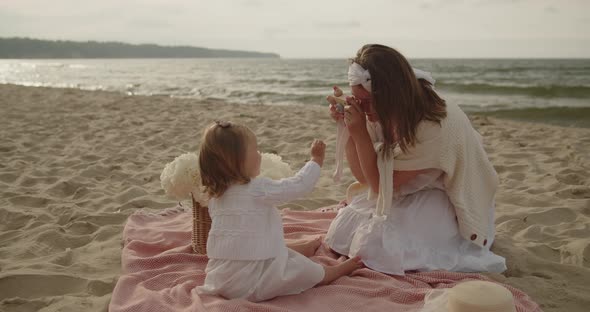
<point x="306" y="247"/>
<point x="334" y="272"/>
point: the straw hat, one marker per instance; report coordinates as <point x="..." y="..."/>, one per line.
<point x="470" y="296"/>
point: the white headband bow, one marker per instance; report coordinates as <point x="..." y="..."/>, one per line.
<point x="357" y="75"/>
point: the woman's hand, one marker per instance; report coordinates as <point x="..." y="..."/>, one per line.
<point x="354" y="118"/>
<point x="334" y="113"/>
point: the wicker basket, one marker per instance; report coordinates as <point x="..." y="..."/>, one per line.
<point x="201" y="227"/>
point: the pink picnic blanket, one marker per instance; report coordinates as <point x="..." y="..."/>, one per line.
<point x="160" y="273"/>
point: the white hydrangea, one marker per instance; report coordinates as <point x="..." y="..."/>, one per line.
<point x="181" y="177"/>
<point x="273" y="166"/>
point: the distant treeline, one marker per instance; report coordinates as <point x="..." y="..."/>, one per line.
<point x="33" y="48"/>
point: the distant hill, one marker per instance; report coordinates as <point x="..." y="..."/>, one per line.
<point x="33" y="48"/>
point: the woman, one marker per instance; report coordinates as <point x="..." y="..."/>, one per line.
<point x="429" y="199"/>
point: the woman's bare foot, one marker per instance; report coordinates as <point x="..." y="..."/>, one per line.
<point x="307" y="247"/>
<point x="334" y="272"/>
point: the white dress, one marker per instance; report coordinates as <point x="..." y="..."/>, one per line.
<point x="289" y="273"/>
<point x="418" y="232"/>
<point x="248" y="257"/>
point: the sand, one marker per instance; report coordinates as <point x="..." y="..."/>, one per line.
<point x="75" y="164"/>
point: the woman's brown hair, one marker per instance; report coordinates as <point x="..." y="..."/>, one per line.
<point x="400" y="100"/>
<point x="221" y="157"/>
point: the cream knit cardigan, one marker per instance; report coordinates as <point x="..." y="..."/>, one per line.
<point x="470" y="179"/>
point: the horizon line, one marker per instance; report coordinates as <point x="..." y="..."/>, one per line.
<point x="309" y="57"/>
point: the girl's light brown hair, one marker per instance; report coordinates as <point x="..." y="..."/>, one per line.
<point x="400" y="100"/>
<point x="221" y="157"/>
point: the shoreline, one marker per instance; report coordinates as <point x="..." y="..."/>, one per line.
<point x="566" y="116"/>
<point x="77" y="163"/>
<point x="570" y="117"/>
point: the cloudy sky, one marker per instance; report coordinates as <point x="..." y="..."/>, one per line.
<point x="317" y="28"/>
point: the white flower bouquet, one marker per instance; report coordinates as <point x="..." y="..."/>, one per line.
<point x="272" y="166"/>
<point x="180" y="178"/>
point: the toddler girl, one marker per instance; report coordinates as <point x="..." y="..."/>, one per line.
<point x="248" y="256"/>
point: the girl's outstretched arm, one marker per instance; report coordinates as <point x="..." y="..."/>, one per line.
<point x="299" y="185"/>
<point x="283" y="190"/>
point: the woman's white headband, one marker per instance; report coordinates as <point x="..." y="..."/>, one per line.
<point x="357" y="75"/>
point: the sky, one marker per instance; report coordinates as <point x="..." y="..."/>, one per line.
<point x="319" y="28"/>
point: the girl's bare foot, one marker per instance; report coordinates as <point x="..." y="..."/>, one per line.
<point x="306" y="248"/>
<point x="334" y="272"/>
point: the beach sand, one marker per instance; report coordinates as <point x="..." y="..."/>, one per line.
<point x="76" y="163"/>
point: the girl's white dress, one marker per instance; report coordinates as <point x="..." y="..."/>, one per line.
<point x="419" y="231"/>
<point x="290" y="273"/>
<point x="247" y="254"/>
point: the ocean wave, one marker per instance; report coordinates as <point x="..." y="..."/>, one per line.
<point x="276" y="97"/>
<point x="295" y="83"/>
<point x="78" y="66"/>
<point x="548" y="91"/>
<point x="563" y="116"/>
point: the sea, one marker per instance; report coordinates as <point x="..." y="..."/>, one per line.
<point x="543" y="90"/>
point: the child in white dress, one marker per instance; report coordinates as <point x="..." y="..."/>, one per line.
<point x="248" y="256"/>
